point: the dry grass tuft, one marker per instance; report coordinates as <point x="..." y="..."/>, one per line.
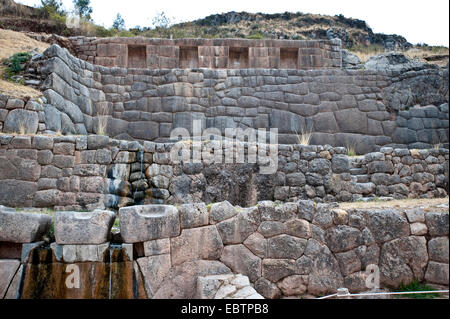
<point x="305" y="137"/>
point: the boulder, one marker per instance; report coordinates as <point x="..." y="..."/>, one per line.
<point x="81" y="228"/>
<point x="16" y="227"/>
<point x="149" y="222"/>
<point x="392" y="61"/>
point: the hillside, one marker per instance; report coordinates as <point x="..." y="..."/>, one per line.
<point x="294" y="26"/>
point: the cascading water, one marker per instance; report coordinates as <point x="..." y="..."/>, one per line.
<point x="112" y="248"/>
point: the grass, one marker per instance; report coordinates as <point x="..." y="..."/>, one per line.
<point x="416" y="286"/>
<point x="351" y="151"/>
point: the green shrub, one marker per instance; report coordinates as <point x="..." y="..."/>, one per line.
<point x="17" y="61"/>
<point x="416" y="286"/>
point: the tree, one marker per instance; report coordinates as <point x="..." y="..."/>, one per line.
<point x="119" y="23"/>
<point x="52" y="7"/>
<point x="161" y="22"/>
<point x="83" y="8"/>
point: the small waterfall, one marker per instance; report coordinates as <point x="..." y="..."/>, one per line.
<point x="112" y="249"/>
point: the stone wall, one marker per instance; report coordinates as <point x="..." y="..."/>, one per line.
<point x="86" y="172"/>
<point x="151" y="53"/>
<point x="358" y="108"/>
<point x="192" y="251"/>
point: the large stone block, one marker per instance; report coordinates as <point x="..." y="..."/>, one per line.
<point x="196" y="244"/>
<point x="437" y="224"/>
<point x="241" y="260"/>
<point x="387" y="225"/>
<point x="149" y="222"/>
<point x="181" y="281"/>
<point x="8" y="269"/>
<point x="403" y="260"/>
<point x="285" y="247"/>
<point x="193" y="215"/>
<point x="437" y="273"/>
<point x="80" y="228"/>
<point x="21" y="121"/>
<point x="18" y="227"/>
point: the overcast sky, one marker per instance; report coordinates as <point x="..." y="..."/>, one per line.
<point x="418" y="20"/>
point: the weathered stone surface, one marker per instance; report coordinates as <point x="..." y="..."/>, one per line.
<point x="277" y="269"/>
<point x="181" y="281"/>
<point x="222" y="211"/>
<point x="237" y="229"/>
<point x="285" y="247"/>
<point x="78" y="228"/>
<point x="418" y="229"/>
<point x="241" y="260"/>
<point x="299" y="228"/>
<point x="193" y="215"/>
<point x="268" y="289"/>
<point x="270" y="228"/>
<point x="157" y="247"/>
<point x="294" y="285"/>
<point x="325" y="276"/>
<point x="208" y="286"/>
<point x="437" y="224"/>
<point x="343" y="238"/>
<point x="437" y="273"/>
<point x="8" y="269"/>
<point x="149" y="222"/>
<point x="15" y="191"/>
<point x="348" y="262"/>
<point x="438" y="249"/>
<point x="21" y="121"/>
<point x="306" y="209"/>
<point x="257" y="244"/>
<point x="196" y="244"/>
<point x="403" y="260"/>
<point x="18" y="227"/>
<point x="387" y="225"/>
<point x="154" y="269"/>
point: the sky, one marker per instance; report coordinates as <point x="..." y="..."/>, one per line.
<point x="418" y="21"/>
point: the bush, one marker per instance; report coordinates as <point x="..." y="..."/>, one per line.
<point x="16" y="63"/>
